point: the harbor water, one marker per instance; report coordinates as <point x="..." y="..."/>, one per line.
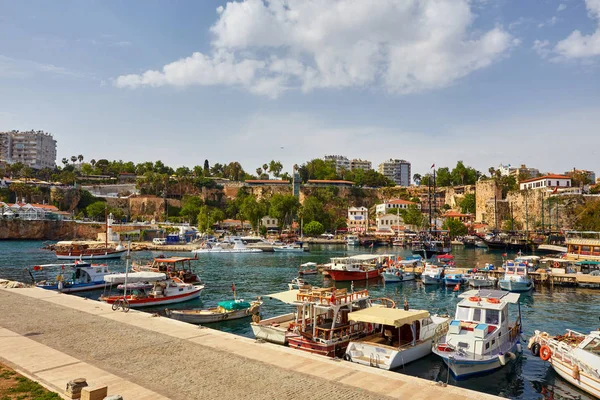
<point x="258" y="274"/>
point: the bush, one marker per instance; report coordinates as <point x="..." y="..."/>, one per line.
<point x="314" y="228"/>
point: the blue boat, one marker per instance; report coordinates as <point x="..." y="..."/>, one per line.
<point x="516" y="278"/>
<point x="454" y="278"/>
<point x="71" y="278"/>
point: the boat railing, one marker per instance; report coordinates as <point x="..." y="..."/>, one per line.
<point x="339" y="333"/>
<point x="329" y="298"/>
<point x="563" y="352"/>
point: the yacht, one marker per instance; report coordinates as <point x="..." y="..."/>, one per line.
<point x="352" y="240"/>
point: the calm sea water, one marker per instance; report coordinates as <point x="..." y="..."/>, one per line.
<point x="551" y="310"/>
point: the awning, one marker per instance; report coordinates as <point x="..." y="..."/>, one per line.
<point x="133" y="277"/>
<point x="288" y="296"/>
<point x="308" y="264"/>
<point x="387" y="316"/>
<point x="587" y="262"/>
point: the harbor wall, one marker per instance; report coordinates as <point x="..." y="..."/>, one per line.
<point x="56" y="230"/>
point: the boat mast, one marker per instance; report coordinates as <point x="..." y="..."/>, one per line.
<point x="434" y="199"/>
<point x="543" y="222"/>
<point x="429" y="193"/>
<point x="527" y="212"/>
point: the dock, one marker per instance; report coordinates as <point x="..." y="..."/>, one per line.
<point x="54" y="338"/>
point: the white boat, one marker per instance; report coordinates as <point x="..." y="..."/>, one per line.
<point x="296" y="283"/>
<point x="225" y="310"/>
<point x="480" y="339"/>
<point x="432" y="275"/>
<point x="163" y="291"/>
<point x="482" y="281"/>
<point x="399" y="337"/>
<point x="218" y="248"/>
<point x="289" y="248"/>
<point x="481" y="244"/>
<point x="516" y="278"/>
<point x="72" y="278"/>
<point x="352" y="240"/>
<point x="309" y="268"/>
<point x="274" y="330"/>
<point x="398" y="274"/>
<point x="574" y="356"/>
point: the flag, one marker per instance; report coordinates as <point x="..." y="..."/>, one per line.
<point x="37" y="268"/>
<point x="233" y="287"/>
<point x="432" y="166"/>
<point x="555" y="190"/>
<point x="504" y="255"/>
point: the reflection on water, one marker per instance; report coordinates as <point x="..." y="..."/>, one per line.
<point x="546" y="309"/>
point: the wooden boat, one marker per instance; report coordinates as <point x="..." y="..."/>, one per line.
<point x="359" y="268"/>
<point x="480" y="339"/>
<point x="583" y="245"/>
<point x="274" y="330"/>
<point x="80" y="276"/>
<point x="225" y="310"/>
<point x="308" y="268"/>
<point x="76" y="251"/>
<point x="163" y="291"/>
<point x="400" y="336"/>
<point x="574" y="356"/>
<point x="174" y="267"/>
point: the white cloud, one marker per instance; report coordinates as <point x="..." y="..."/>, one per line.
<point x="579" y="46"/>
<point x="19" y="68"/>
<point x="269" y="46"/>
<point x="549" y="22"/>
<point x="541" y="47"/>
<point x="561" y="7"/>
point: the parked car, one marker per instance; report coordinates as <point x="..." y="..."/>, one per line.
<point x="159" y="241"/>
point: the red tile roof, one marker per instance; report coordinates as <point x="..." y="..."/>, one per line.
<point x="454" y="214"/>
<point x="549" y="176"/>
<point x="46" y="207"/>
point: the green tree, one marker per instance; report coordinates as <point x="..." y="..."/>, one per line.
<point x="190" y="208"/>
<point x="455" y="227"/>
<point x="417" y="179"/>
<point x="275" y="168"/>
<point x="588" y="216"/>
<point x="206" y="168"/>
<point x="283" y="207"/>
<point x="209" y="216"/>
<point x="314" y="228"/>
<point x="233" y="171"/>
<point x="96" y="210"/>
<point x="313" y="209"/>
<point x="443" y="177"/>
<point x="252" y="210"/>
<point x="412" y="216"/>
<point x="317" y="169"/>
<point x="467" y="204"/>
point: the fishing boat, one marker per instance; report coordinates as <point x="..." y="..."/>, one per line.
<point x="453" y="278"/>
<point x="309" y="268"/>
<point x="479" y="280"/>
<point x="397" y="272"/>
<point x="495" y="241"/>
<point x="480" y="244"/>
<point x="226" y="248"/>
<point x="431" y="248"/>
<point x="574" y="356"/>
<point x="72" y="278"/>
<point x="289" y="248"/>
<point x="480" y="338"/>
<point x="432" y="274"/>
<point x="400" y="336"/>
<point x="352" y="240"/>
<point x="358" y="268"/>
<point x="225" y="310"/>
<point x="82" y="251"/>
<point x="516" y="278"/>
<point x="163" y="290"/>
<point x="274" y="330"/>
<point x="296" y="283"/>
<point x="178" y="267"/>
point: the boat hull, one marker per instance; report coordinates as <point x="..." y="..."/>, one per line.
<point x="160" y="301"/>
<point x="431" y="280"/>
<point x="83" y="256"/>
<point x="75" y="288"/>
<point x="385" y="358"/>
<point x="481" y="283"/>
<point x="199" y="318"/>
<point x="586" y="383"/>
<point x="466" y="368"/>
<point x="341" y="275"/>
<point x="453" y="281"/>
<point x="329" y="350"/>
<point x="273" y="330"/>
<point x="517" y="287"/>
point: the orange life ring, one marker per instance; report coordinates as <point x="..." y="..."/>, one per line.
<point x="475" y="298"/>
<point x="493" y="300"/>
<point x="545" y="353"/>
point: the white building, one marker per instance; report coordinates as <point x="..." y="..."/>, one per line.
<point x="394" y="204"/>
<point x="269" y="222"/>
<point x="35" y="149"/>
<point x="546" y="182"/>
<point x="510" y="170"/>
<point x="360" y="164"/>
<point x="389" y="223"/>
<point x="341" y="162"/>
<point x="358" y="219"/>
<point x="396" y="170"/>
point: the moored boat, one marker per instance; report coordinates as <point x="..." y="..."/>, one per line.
<point x="179" y="267"/>
<point x="225" y="310"/>
<point x="309" y="268"/>
<point x="453" y="278"/>
<point x="289" y="248"/>
<point x="516" y="278"/>
<point x="480" y="338"/>
<point x="479" y="280"/>
<point x="432" y="274"/>
<point x="226" y="248"/>
<point x="352" y="240"/>
<point x="574" y="356"/>
<point x="360" y="267"/>
<point x="77" y="251"/>
<point x="81" y="276"/>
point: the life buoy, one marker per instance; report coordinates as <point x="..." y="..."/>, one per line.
<point x="545" y="353"/>
<point x="493" y="300"/>
<point x="474" y="298"/>
<point x="535" y="349"/>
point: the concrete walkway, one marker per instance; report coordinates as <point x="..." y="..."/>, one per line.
<point x="54" y="338"/>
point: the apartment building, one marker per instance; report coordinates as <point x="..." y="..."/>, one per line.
<point x="36" y="149"/>
<point x="397" y="171"/>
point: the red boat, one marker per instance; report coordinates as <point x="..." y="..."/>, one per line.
<point x="360" y="267"/>
<point x="174" y="267"/>
<point x="344" y="275"/>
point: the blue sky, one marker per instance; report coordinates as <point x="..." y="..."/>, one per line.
<point x="484" y="81"/>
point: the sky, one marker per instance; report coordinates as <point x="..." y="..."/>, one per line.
<point x="429" y="81"/>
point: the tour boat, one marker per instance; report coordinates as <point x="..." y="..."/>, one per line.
<point x="75" y="251"/>
<point x="516" y="278"/>
<point x="289" y="248"/>
<point x="81" y="276"/>
<point x="453" y="278"/>
<point x="219" y="248"/>
<point x="399" y="337"/>
<point x="432" y="248"/>
<point x="432" y="274"/>
<point x="179" y="267"/>
<point x="308" y="268"/>
<point x="163" y="290"/>
<point x="574" y="356"/>
<point x="583" y="245"/>
<point x="482" y="281"/>
<point x="359" y="268"/>
<point x="480" y="339"/>
<point x="225" y="310"/>
<point x="352" y="240"/>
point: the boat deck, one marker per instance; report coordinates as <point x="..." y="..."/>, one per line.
<point x="162" y="357"/>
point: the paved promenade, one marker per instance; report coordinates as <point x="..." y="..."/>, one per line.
<point x="54" y="338"/>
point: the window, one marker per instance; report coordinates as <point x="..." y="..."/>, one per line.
<point x="477" y="314"/>
<point x="492" y="317"/>
<point x="462" y="313"/>
<point x="487" y="345"/>
<point x="557" y="183"/>
<point x="593" y="346"/>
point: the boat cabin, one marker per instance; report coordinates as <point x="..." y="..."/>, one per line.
<point x="513" y="268"/>
<point x="175" y="267"/>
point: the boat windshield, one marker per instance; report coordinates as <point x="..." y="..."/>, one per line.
<point x="593" y="346"/>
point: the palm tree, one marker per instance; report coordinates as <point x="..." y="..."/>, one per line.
<point x="73" y="159"/>
<point x="65" y="161"/>
<point x="93" y="162"/>
<point x="80" y="158"/>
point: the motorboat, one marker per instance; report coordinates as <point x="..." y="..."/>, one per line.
<point x="225" y="310"/>
<point x="360" y="267"/>
<point x="274" y="330"/>
<point x="296" y="283"/>
<point x="431" y="248"/>
<point x="480" y="338"/>
<point x="432" y="274"/>
<point x="289" y="248"/>
<point x="163" y="291"/>
<point x="479" y="280"/>
<point x="574" y="356"/>
<point x="399" y="337"/>
<point x="72" y="278"/>
<point x="516" y="278"/>
<point x="352" y="240"/>
<point x="453" y="278"/>
<point x="397" y="273"/>
<point x="309" y="268"/>
<point x="179" y="267"/>
<point x="224" y="248"/>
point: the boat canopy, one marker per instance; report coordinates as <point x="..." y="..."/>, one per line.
<point x="234" y="305"/>
<point x="505" y="297"/>
<point x="133" y="277"/>
<point x="308" y="264"/>
<point x="287" y="296"/>
<point x="387" y="316"/>
<point x="173" y="260"/>
<point x="587" y="262"/>
<point x="528" y="258"/>
<point x="558" y="260"/>
<point x="409" y="262"/>
<point x="365" y="257"/>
